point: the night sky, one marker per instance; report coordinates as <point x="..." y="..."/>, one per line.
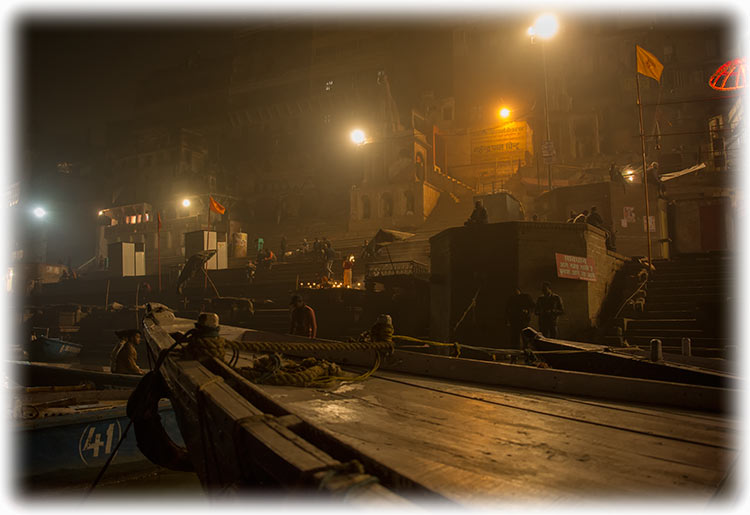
<point x="79" y="77"/>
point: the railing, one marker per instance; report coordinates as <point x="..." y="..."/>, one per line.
<point x="389" y="269"/>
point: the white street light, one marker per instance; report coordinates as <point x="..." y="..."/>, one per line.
<point x="39" y="212"/>
<point x="186" y="203"/>
<point x="358" y="136"/>
<point x="545" y="26"/>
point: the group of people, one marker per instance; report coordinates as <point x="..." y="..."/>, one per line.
<point x="520" y="306"/>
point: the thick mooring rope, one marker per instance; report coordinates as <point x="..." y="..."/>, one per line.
<point x="271" y="369"/>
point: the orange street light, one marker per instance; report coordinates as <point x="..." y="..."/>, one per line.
<point x="504" y="113"/>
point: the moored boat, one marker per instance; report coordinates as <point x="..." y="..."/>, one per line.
<point x="443" y="427"/>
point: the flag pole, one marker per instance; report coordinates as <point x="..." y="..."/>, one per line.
<point x="208" y="236"/>
<point x="643" y="154"/>
<point x="158" y="247"/>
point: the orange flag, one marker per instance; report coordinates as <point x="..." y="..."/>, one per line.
<point x="648" y="65"/>
<point x="215" y="206"/>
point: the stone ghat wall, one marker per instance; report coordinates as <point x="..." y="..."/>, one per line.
<point x="490" y="261"/>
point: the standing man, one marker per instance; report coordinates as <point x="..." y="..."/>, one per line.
<point x="595" y="218"/>
<point x="518" y="315"/>
<point x="302" y="318"/>
<point x="124" y="357"/>
<point x="330" y="255"/>
<point x="347" y="266"/>
<point x="548" y="307"/>
<point x="479" y="215"/>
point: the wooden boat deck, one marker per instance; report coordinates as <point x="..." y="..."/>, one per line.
<point x="458" y="441"/>
<point x="469" y="442"/>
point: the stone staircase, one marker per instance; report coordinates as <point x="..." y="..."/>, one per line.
<point x="686" y="297"/>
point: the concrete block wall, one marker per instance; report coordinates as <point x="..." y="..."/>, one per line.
<point x="495" y="258"/>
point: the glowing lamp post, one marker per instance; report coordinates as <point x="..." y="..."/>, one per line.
<point x="186" y="203"/>
<point x="504" y="113"/>
<point x="545" y="27"/>
<point x="39" y="212"/>
<point x="358" y="136"/>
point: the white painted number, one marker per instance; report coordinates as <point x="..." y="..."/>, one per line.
<point x="91" y="441"/>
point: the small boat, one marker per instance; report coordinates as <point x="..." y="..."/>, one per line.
<point x="44" y="348"/>
<point x="30" y="373"/>
<point x="625" y="362"/>
<point x="64" y="435"/>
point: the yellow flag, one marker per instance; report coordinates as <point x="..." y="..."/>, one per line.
<point x="648" y="65"/>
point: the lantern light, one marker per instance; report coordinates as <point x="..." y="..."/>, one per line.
<point x="729" y="76"/>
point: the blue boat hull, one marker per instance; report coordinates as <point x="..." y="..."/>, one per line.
<point x="73" y="448"/>
<point x="53" y="349"/>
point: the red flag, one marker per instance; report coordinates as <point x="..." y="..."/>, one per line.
<point x="215" y="206"/>
<point x="158" y="221"/>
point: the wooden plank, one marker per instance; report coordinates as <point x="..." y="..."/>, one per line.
<point x="716" y="431"/>
<point x="315" y="433"/>
<point x="465" y="448"/>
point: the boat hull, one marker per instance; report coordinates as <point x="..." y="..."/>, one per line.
<point x="74" y="448"/>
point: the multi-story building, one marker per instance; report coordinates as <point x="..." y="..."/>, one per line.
<point x="267" y="121"/>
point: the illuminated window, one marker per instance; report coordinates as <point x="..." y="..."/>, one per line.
<point x="329" y="85"/>
<point x="137" y="219"/>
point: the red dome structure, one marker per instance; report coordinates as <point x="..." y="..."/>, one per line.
<point x="729" y="76"/>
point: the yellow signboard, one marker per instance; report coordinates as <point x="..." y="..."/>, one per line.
<point x="507" y="143"/>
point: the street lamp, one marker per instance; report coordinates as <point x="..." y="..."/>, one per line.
<point x="504" y="113"/>
<point x="545" y="27"/>
<point x="358" y="136"/>
<point x="186" y="203"/>
<point x="39" y="212"/>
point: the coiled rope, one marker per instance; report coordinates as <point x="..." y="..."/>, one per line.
<point x="272" y="369"/>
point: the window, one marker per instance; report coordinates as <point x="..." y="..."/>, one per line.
<point x="329" y="85"/>
<point x="326" y="119"/>
<point x="409" y="198"/>
<point x="365" y="208"/>
<point x="420" y="166"/>
<point x="386" y="204"/>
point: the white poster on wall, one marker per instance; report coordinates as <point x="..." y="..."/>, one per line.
<point x="651" y="224"/>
